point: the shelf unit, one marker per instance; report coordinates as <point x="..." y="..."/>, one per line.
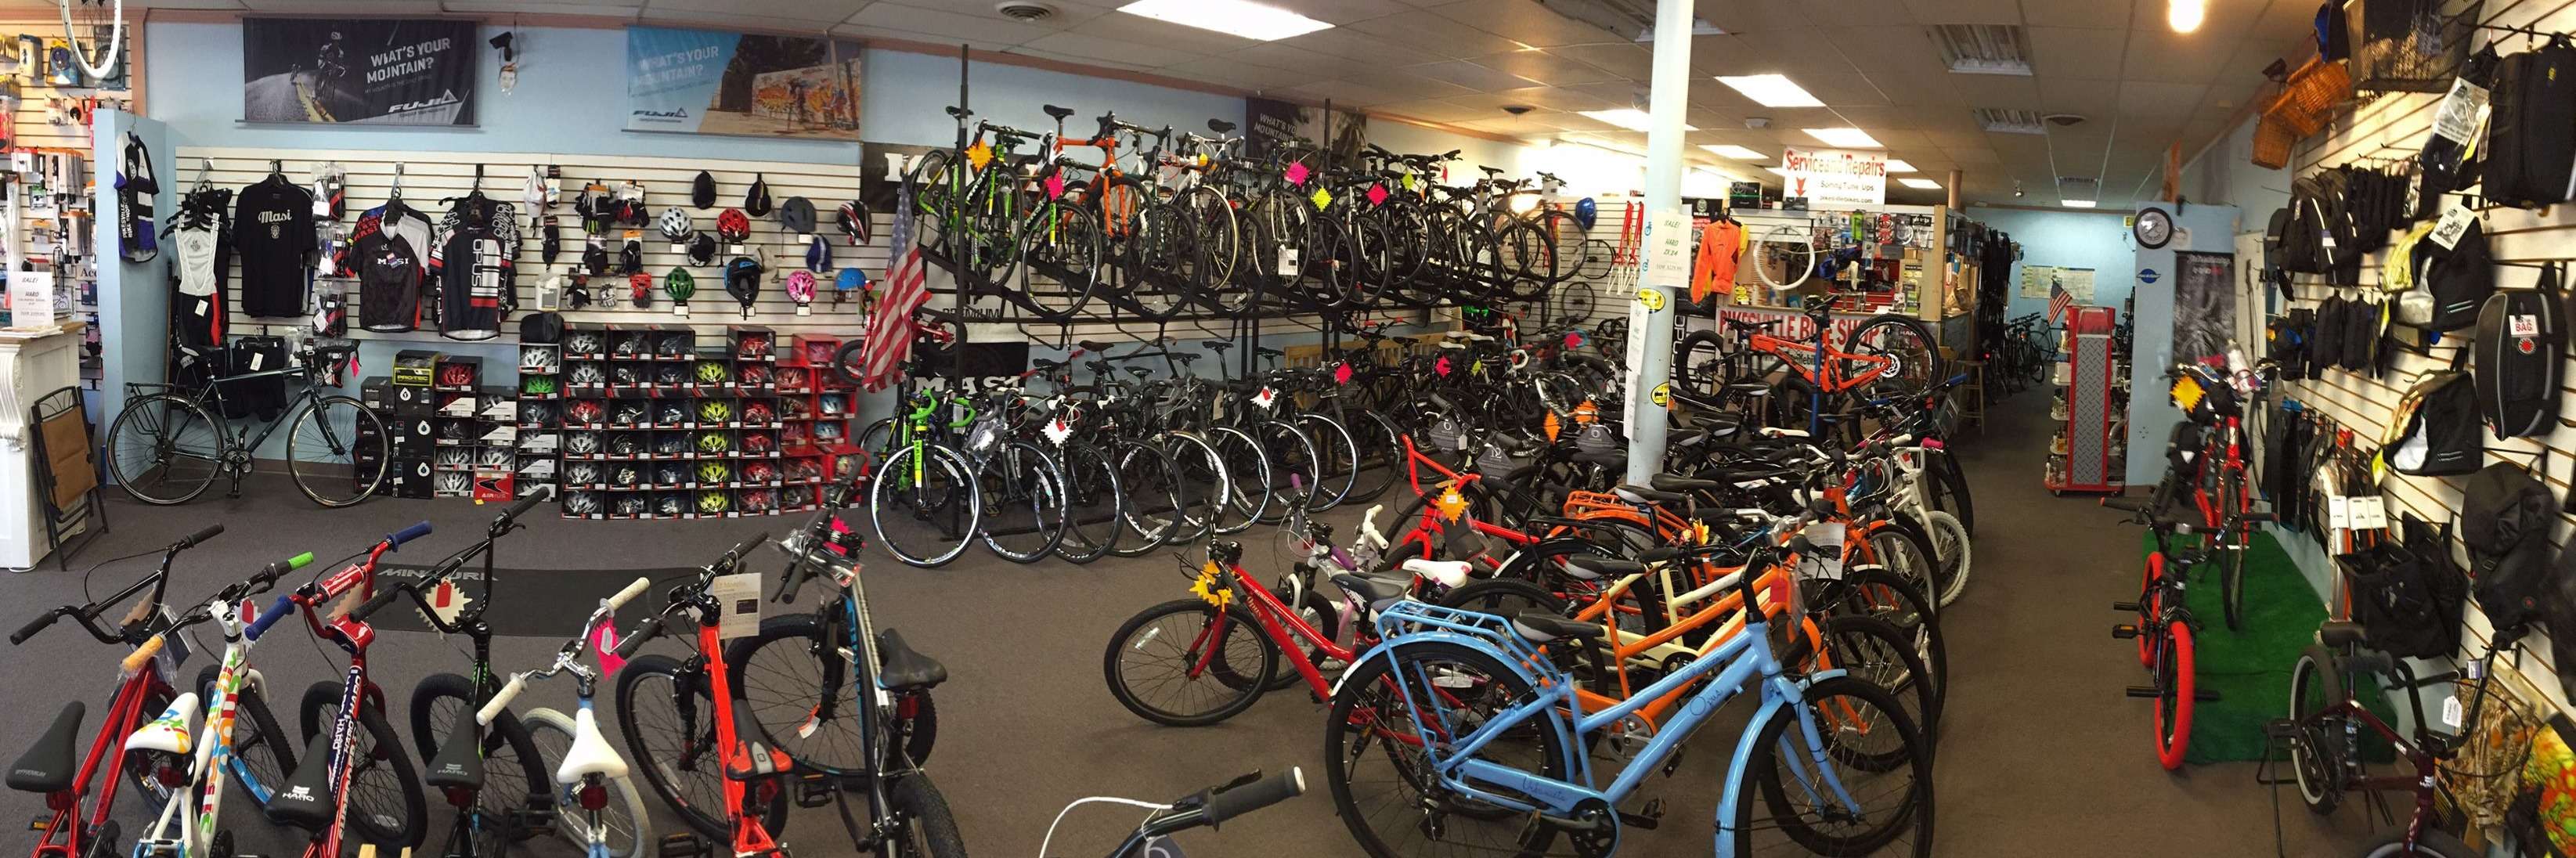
<point x="2091" y="403"/>
<point x="674" y="430"/>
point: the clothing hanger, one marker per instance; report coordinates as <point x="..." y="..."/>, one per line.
<point x="395" y="194"/>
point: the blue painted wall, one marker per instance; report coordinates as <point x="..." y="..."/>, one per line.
<point x="2066" y="239"/>
<point x="2210" y="229"/>
<point x="133" y="298"/>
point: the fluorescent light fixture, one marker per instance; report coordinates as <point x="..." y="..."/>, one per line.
<point x="2076" y="204"/>
<point x="1771" y="90"/>
<point x="1736" y="152"/>
<point x="2185" y="15"/>
<point x="1232" y="17"/>
<point x="1848" y="138"/>
<point x="1898" y="165"/>
<point x="1920" y="184"/>
<point x="1629" y="118"/>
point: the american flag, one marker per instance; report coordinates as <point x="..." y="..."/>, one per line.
<point x="889" y="332"/>
<point x="2059" y="300"/>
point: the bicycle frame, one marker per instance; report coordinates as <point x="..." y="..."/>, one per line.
<point x="750" y="837"/>
<point x="2419" y="782"/>
<point x="1279" y="623"/>
<point x="353" y="637"/>
<point x="213" y="753"/>
<point x="108" y="745"/>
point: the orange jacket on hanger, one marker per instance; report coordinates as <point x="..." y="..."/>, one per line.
<point x="1721" y="243"/>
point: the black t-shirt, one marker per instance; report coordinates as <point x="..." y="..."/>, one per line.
<point x="389" y="273"/>
<point x="273" y="235"/>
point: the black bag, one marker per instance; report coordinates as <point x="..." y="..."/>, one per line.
<point x="2319" y="235"/>
<point x="2325" y="350"/>
<point x="2408" y="597"/>
<point x="2505" y="517"/>
<point x="2460" y="278"/>
<point x="2521" y="349"/>
<point x="2531" y="135"/>
<point x="2435" y="429"/>
<point x="541" y="328"/>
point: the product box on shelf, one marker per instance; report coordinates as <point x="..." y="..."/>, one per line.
<point x="413" y="436"/>
<point x="540" y="358"/>
<point x="585" y="340"/>
<point x="751" y="342"/>
<point x="675" y="342"/>
<point x="462" y="373"/>
<point x="813" y="350"/>
<point x="494" y="486"/>
<point x="413" y="478"/>
<point x="631" y="341"/>
<point x="416" y="367"/>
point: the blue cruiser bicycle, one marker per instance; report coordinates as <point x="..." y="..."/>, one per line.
<point x="1461" y="733"/>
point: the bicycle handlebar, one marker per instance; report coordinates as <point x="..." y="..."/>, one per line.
<point x="650" y="628"/>
<point x="1228" y="803"/>
<point x="277" y="610"/>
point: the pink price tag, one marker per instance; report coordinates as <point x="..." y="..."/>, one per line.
<point x="603" y="640"/>
<point x="1377" y="194"/>
<point x="1442" y="367"/>
<point x="1573" y="340"/>
<point x="1297" y="173"/>
<point x="1342" y="374"/>
<point x="1055" y="186"/>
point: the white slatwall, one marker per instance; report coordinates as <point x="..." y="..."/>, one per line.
<point x="31" y="125"/>
<point x="2393" y="126"/>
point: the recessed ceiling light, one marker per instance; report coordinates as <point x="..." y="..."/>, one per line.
<point x="2076" y="204"/>
<point x="1771" y="90"/>
<point x="1920" y="184"/>
<point x="2185" y="15"/>
<point x="1776" y="170"/>
<point x="1629" y="118"/>
<point x="1898" y="165"/>
<point x="1736" y="152"/>
<point x="1234" y="17"/>
<point x="1848" y="138"/>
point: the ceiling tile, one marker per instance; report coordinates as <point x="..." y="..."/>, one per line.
<point x="1334" y="11"/>
<point x="1618" y="93"/>
<point x="626" y="10"/>
<point x="807" y="10"/>
<point x="1841" y="89"/>
<point x="1628" y="61"/>
<point x="1413" y="86"/>
<point x="2167" y="56"/>
<point x="2076" y="52"/>
<point x="1971" y="156"/>
<point x="939" y="23"/>
<point x="1471" y="75"/>
<point x="1965" y="11"/>
<point x="1067" y="14"/>
<point x="1994" y="90"/>
<point x="1545" y="67"/>
<point x="2113" y="14"/>
<point x="1920" y="90"/>
<point x="1345" y="93"/>
<point x="1888" y="48"/>
<point x="1424" y="32"/>
<point x="1898" y="138"/>
<point x="940" y="39"/>
<point x="1345" y="43"/>
<point x="1026" y="51"/>
<point x="1134" y="28"/>
<point x="1552" y="97"/>
<point x="737" y="21"/>
<point x="2092" y="98"/>
<point x="1279" y="56"/>
<point x="1231" y="72"/>
<point x="1957" y="139"/>
<point x="1752" y="16"/>
<point x="1435" y="110"/>
<point x="1526" y="22"/>
<point x="1110" y="50"/>
<point x="2148" y="99"/>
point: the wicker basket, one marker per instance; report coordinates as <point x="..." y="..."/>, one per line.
<point x="2272" y="141"/>
<point x="2315" y="89"/>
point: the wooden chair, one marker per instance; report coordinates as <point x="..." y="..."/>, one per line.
<point x="67" y="472"/>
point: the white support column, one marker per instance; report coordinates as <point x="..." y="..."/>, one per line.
<point x="1667" y="261"/>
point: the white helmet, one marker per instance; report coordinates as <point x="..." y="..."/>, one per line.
<point x="675" y="224"/>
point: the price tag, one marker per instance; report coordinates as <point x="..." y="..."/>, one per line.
<point x="738" y="595"/>
<point x="2451" y="715"/>
<point x="804" y="238"/>
<point x="804" y="310"/>
<point x="2524" y="326"/>
<point x="2454" y="223"/>
<point x="1265" y="398"/>
<point x="2369" y="512"/>
<point x="1287" y="262"/>
<point x="1057" y="430"/>
<point x="2339" y="512"/>
<point x="737" y="249"/>
<point x="679" y="247"/>
<point x="2463" y="109"/>
<point x="1826" y="562"/>
<point x="680" y="309"/>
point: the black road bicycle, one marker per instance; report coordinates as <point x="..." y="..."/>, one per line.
<point x="172" y="441"/>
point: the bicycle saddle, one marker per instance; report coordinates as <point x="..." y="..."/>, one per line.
<point x="1679" y="483"/>
<point x="459" y="764"/>
<point x="1219" y="346"/>
<point x="1634" y="493"/>
<point x="590" y="753"/>
<point x="1750" y="388"/>
<point x="1139" y="371"/>
<point x="1376" y="592"/>
<point x="1093" y="346"/>
<point x="1446" y="573"/>
<point x="1741" y="325"/>
<point x="305" y="800"/>
<point x="2337" y="635"/>
<point x="905" y="669"/>
<point x="1588" y="567"/>
<point x="959" y="112"/>
<point x="1546" y="628"/>
<point x="1604" y="457"/>
<point x="169" y="733"/>
<point x="48" y="765"/>
<point x="1220" y="126"/>
<point x="1490" y="172"/>
<point x="1057" y="112"/>
<point x="1186" y="357"/>
<point x="760" y="757"/>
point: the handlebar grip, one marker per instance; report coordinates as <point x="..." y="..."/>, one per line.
<point x="1228" y="804"/>
<point x="378" y="603"/>
<point x="200" y="536"/>
<point x="408" y="534"/>
<point x="651" y="626"/>
<point x="142" y="655"/>
<point x="277" y="610"/>
<point x="501" y="700"/>
<point x="280" y="568"/>
<point x="33" y="626"/>
<point x="628" y="595"/>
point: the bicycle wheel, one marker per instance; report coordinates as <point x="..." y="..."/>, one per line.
<point x="512" y="766"/>
<point x="165" y="449"/>
<point x="1700" y="364"/>
<point x="1914" y="361"/>
<point x="2174" y="689"/>
<point x="385" y="801"/>
<point x="2231" y="547"/>
<point x="925" y="506"/>
<point x="621" y="820"/>
<point x="261" y="757"/>
<point x="2431" y="843"/>
<point x="1286" y="453"/>
<point x="1163" y="273"/>
<point x="1177" y="664"/>
<point x="1949" y="488"/>
<point x="1336" y="463"/>
<point x="1953" y="550"/>
<point x="1061" y="243"/>
<point x="1869" y="591"/>
<point x="1204" y="486"/>
<point x="1380" y="776"/>
<point x="1884" y="655"/>
<point x="1899" y="546"/>
<point x="2317" y="754"/>
<point x="1247" y="479"/>
<point x="1024" y="508"/>
<point x="933" y="179"/>
<point x="1095" y="503"/>
<point x="669" y="720"/>
<point x="1154" y="502"/>
<point x="792" y="677"/>
<point x="923" y="826"/>
<point x="1873" y="812"/>
<point x="1379" y="448"/>
<point x="338" y="451"/>
<point x="1783" y="257"/>
<point x="1219" y="236"/>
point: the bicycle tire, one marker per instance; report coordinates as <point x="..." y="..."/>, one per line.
<point x="1953" y="549"/>
<point x="1377" y="443"/>
<point x="2231" y="554"/>
<point x="397" y="814"/>
<point x="2175" y="686"/>
<point x="259" y="762"/>
<point x="934" y="195"/>
<point x="553" y="733"/>
<point x="514" y="771"/>
<point x="2430" y="843"/>
<point x="1152" y="485"/>
<point x="1162" y="273"/>
<point x="1018" y="477"/>
<point x="1286" y="453"/>
<point x="1863" y="646"/>
<point x="1316" y="611"/>
<point x="699" y="796"/>
<point x="923" y="825"/>
<point x="1949" y="489"/>
<point x="960" y="503"/>
<point x="1233" y="685"/>
<point x="1776" y="796"/>
<point x="1218" y="232"/>
<point x="1700" y="363"/>
<point x="1095" y="503"/>
<point x="2317" y="761"/>
<point x="1762" y="266"/>
<point x="1247" y="479"/>
<point x="1350" y="734"/>
<point x="1869" y="591"/>
<point x="1065" y="239"/>
<point x="158" y="436"/>
<point x="1337" y="461"/>
<point x="1907" y="382"/>
<point x="326" y="419"/>
<point x="781" y="677"/>
<point x="1898" y="545"/>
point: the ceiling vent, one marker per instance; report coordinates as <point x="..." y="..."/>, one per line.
<point x="2079" y="187"/>
<point x="2001" y="121"/>
<point x="1024" y="11"/>
<point x="1984" y="48"/>
<point x="1627" y="19"/>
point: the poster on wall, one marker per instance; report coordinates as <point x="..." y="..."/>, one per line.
<point x="706" y="82"/>
<point x="376" y="71"/>
<point x="2035" y="280"/>
<point x="1834" y="177"/>
<point x="1267" y="122"/>
<point x="2078" y="282"/>
<point x="2204" y="305"/>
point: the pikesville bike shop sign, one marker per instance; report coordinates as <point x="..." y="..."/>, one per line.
<point x="1834" y="177"/>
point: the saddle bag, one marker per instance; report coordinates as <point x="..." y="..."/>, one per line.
<point x="2521" y="351"/>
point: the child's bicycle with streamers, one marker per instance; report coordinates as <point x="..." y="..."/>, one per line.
<point x="589" y="771"/>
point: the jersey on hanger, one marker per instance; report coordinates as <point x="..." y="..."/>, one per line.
<point x="273" y="234"/>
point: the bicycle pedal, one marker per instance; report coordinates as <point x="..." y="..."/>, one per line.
<point x="2204" y="695"/>
<point x="41" y="823"/>
<point x="684" y="845"/>
<point x="2145" y="691"/>
<point x="2281" y="728"/>
<point x="2131" y="607"/>
<point x="2124" y="631"/>
<point x="1646" y="818"/>
<point x="158" y="849"/>
<point x="815" y="790"/>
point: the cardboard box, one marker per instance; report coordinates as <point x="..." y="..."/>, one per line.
<point x="416" y="367"/>
<point x="473" y="369"/>
<point x="413" y="478"/>
<point x="414" y="436"/>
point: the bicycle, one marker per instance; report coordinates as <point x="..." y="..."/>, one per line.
<point x="232" y="695"/>
<point x="2165" y="625"/>
<point x="590" y="773"/>
<point x="938" y="519"/>
<point x="2213" y="402"/>
<point x="1209" y="807"/>
<point x="143" y="686"/>
<point x="167" y="446"/>
<point x="2325" y="737"/>
<point x="359" y="743"/>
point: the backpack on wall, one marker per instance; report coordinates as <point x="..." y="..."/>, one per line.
<point x="2531" y="145"/>
<point x="2434" y="432"/>
<point x="2520" y="352"/>
<point x="2407" y="596"/>
<point x="2460" y="278"/>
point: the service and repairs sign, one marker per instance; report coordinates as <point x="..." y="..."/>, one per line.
<point x="1834" y="177"/>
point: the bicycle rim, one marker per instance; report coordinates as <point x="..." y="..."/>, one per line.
<point x="165" y="450"/>
<point x="337" y="451"/>
<point x="1024" y="508"/>
<point x="924" y="505"/>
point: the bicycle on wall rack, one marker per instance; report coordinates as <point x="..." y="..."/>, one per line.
<point x="170" y="442"/>
<point x="2329" y="724"/>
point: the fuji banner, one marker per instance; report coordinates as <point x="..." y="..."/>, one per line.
<point x="377" y="71"/>
<point x="705" y="82"/>
<point x="1834" y="177"/>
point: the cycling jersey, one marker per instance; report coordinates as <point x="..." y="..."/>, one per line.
<point x="473" y="256"/>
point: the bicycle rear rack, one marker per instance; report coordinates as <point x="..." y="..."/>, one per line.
<point x="1409" y="617"/>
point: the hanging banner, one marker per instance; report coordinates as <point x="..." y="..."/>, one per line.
<point x="1267" y="122"/>
<point x="2204" y="305"/>
<point x="705" y="82"/>
<point x="1834" y="177"/>
<point x="376" y="71"/>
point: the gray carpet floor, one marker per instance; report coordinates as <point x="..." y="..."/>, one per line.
<point x="2041" y="754"/>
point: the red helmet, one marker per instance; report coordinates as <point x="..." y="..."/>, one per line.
<point x="758" y="442"/>
<point x="759" y="412"/>
<point x="732" y="226"/>
<point x="754" y="375"/>
<point x="753" y="345"/>
<point x="585" y="411"/>
<point x="456" y="375"/>
<point x="759" y="472"/>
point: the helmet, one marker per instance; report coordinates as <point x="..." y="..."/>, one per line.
<point x="758" y="442"/>
<point x="456" y="375"/>
<point x="581" y="503"/>
<point x="584" y="411"/>
<point x="804" y="470"/>
<point x="672" y="414"/>
<point x="702" y="249"/>
<point x="793" y="408"/>
<point x="582" y="473"/>
<point x="671" y="443"/>
<point x="791" y="377"/>
<point x="800" y="286"/>
<point x="732" y="226"/>
<point x="630" y="504"/>
<point x="536" y="413"/>
<point x="492" y="457"/>
<point x="1586" y="212"/>
<point x="752" y="345"/>
<point x="713" y="442"/>
<point x="582" y="443"/>
<point x="833" y="405"/>
<point x="625" y="444"/>
<point x="669" y="374"/>
<point x="680" y="284"/>
<point x="629" y="414"/>
<point x="626" y="373"/>
<point x="625" y="475"/>
<point x="710" y="502"/>
<point x="759" y="472"/>
<point x="583" y="342"/>
<point x="588" y="373"/>
<point x="456" y="430"/>
<point x="676" y="343"/>
<point x="455" y="457"/>
<point x="850" y="280"/>
<point x="711" y="372"/>
<point x="759" y="501"/>
<point x="755" y="375"/>
<point x="537" y="385"/>
<point x="854" y="221"/>
<point x="675" y="224"/>
<point x="541" y="361"/>
<point x="713" y="473"/>
<point x="715" y="411"/>
<point x="759" y="412"/>
<point x="670" y="474"/>
<point x="454" y="483"/>
<point x="670" y="504"/>
<point x="629" y="345"/>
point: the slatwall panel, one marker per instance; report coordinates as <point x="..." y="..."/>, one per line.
<point x="30" y="123"/>
<point x="2390" y="127"/>
<point x="428" y="177"/>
